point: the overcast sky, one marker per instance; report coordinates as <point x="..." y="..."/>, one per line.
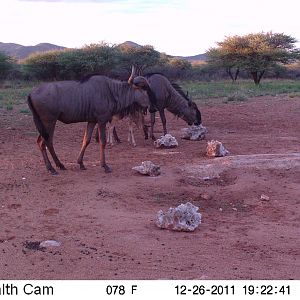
<point x="185" y="27"/>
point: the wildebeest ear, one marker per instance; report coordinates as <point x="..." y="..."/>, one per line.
<point x="132" y="75"/>
<point x="141" y="82"/>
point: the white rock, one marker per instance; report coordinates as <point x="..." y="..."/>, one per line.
<point x="215" y="148"/>
<point x="181" y="218"/>
<point x="166" y="141"/>
<point x="50" y="243"/>
<point x="264" y="197"/>
<point x="194" y="133"/>
<point x="148" y="168"/>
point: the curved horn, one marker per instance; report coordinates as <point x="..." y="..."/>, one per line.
<point x="132" y="75"/>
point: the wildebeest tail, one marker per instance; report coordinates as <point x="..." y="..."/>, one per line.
<point x="37" y="120"/>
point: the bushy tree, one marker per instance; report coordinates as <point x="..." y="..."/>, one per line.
<point x="6" y="64"/>
<point x="255" y="53"/>
<point x="100" y="58"/>
<point x="72" y="63"/>
<point x="222" y="59"/>
<point x="142" y="57"/>
<point x="43" y="65"/>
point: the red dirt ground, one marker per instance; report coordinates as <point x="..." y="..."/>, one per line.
<point x="105" y="222"/>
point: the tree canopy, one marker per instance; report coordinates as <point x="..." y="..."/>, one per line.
<point x="142" y="57"/>
<point x="255" y="53"/>
<point x="6" y="64"/>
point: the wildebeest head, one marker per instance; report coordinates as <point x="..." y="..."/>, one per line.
<point x="191" y="113"/>
<point x="193" y="107"/>
<point x="141" y="84"/>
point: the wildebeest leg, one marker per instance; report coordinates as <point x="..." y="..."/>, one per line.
<point x="145" y="127"/>
<point x="112" y="132"/>
<point x="42" y="145"/>
<point x="85" y="142"/>
<point x="97" y="136"/>
<point x="131" y="139"/>
<point x="145" y="130"/>
<point x="116" y="135"/>
<point x="152" y="125"/>
<point x="109" y="136"/>
<point x="163" y="120"/>
<point x="102" y="138"/>
<point x="49" y="144"/>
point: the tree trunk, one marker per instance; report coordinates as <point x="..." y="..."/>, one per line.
<point x="261" y="75"/>
<point x="255" y="77"/>
<point x="229" y="72"/>
<point x="236" y="74"/>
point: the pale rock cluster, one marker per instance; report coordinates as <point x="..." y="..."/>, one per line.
<point x="166" y="141"/>
<point x="184" y="217"/>
<point x="215" y="149"/>
<point x="148" y="168"/>
<point x="194" y="133"/>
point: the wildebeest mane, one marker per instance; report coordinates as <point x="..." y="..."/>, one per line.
<point x="87" y="77"/>
<point x="178" y="88"/>
<point x="175" y="85"/>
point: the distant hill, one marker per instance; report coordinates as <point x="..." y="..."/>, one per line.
<point x="192" y="59"/>
<point x="21" y="52"/>
<point x="130" y="44"/>
<point x="195" y="58"/>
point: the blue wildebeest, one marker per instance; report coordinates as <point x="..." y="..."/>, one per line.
<point x="95" y="100"/>
<point x="170" y="96"/>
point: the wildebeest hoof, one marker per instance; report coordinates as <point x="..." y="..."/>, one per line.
<point x="62" y="167"/>
<point x="107" y="169"/>
<point x="82" y="167"/>
<point x="53" y="172"/>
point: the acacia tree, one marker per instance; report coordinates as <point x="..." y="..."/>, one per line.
<point x="218" y="58"/>
<point x="142" y="57"/>
<point x="255" y="53"/>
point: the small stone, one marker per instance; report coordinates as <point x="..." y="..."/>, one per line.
<point x="50" y="243"/>
<point x="234" y="208"/>
<point x="148" y="168"/>
<point x="206" y="196"/>
<point x="181" y="218"/>
<point x="264" y="197"/>
<point x="194" y="133"/>
<point x="215" y="149"/>
<point x="166" y="141"/>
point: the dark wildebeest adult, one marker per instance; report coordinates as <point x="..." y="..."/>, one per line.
<point x="170" y="96"/>
<point x="95" y="100"/>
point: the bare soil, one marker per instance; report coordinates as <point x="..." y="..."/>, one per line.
<point x="105" y="222"/>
